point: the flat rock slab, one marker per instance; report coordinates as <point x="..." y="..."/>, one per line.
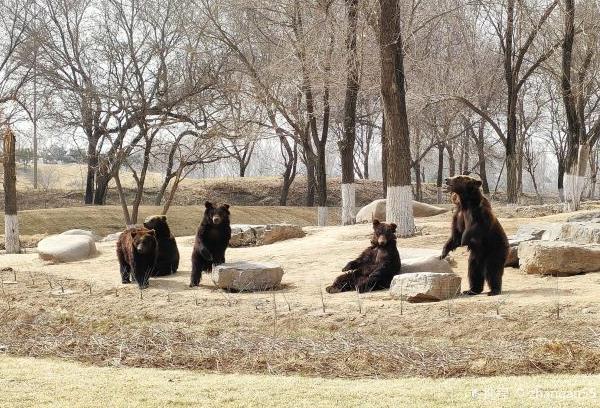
<point x="425" y="286"/>
<point x="66" y="248"/>
<point x="256" y="235"/>
<point x="425" y="264"/>
<point x="558" y="258"/>
<point x="376" y="210"/>
<point x="247" y="276"/>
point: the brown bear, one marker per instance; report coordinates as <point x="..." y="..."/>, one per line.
<point x="212" y="239"/>
<point x="168" y="254"/>
<point x="376" y="265"/>
<point x="137" y="251"/>
<point x="475" y="226"/>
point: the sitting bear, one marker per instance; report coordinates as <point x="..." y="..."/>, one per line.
<point x="474" y="225"/>
<point x="375" y="267"/>
<point x="212" y="239"/>
<point x="168" y="254"/>
<point x="137" y="251"/>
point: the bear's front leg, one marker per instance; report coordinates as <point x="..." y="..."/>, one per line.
<point x="125" y="274"/>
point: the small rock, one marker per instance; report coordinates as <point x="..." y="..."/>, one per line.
<point x="425" y="264"/>
<point x="7" y="269"/>
<point x="112" y="237"/>
<point x="558" y="258"/>
<point x="247" y="276"/>
<point x="425" y="286"/>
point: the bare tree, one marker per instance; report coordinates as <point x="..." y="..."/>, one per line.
<point x="399" y="190"/>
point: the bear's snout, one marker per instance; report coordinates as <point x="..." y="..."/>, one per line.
<point x="382" y="240"/>
<point x="216" y="219"/>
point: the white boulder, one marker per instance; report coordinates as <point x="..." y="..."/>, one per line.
<point x="247" y="276"/>
<point x="66" y="248"/>
<point x="376" y="210"/>
<point x="425" y="264"/>
<point x="558" y="258"/>
<point x="254" y="235"/>
<point x="425" y="286"/>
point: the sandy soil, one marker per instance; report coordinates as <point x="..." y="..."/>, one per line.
<point x="299" y="328"/>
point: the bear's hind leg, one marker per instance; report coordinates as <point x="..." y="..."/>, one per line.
<point x="494" y="269"/>
<point x="125" y="274"/>
<point x="476" y="275"/>
<point x="344" y="283"/>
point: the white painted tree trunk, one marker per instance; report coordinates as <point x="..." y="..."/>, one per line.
<point x="440" y="192"/>
<point x="576" y="182"/>
<point x="11" y="234"/>
<point x="399" y="209"/>
<point x="321" y="216"/>
<point x="348" y="203"/>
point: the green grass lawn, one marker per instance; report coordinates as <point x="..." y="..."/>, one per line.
<point x="27" y="382"/>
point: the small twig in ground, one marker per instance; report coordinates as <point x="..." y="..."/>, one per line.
<point x="168" y="296"/>
<point x="116" y="292"/>
<point x="401" y="300"/>
<point x="49" y="282"/>
<point x="274" y="316"/>
<point x="141" y="294"/>
<point x="90" y="288"/>
<point x="287" y="303"/>
<point x="358" y="301"/>
<point x="322" y="298"/>
<point x="500" y="303"/>
<point x="222" y="292"/>
<point x="196" y="299"/>
<point x="62" y="288"/>
<point x="557" y="297"/>
<point x="32" y="278"/>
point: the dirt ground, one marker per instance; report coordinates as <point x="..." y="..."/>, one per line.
<point x="80" y="311"/>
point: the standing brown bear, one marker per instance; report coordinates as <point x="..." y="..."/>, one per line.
<point x="168" y="254"/>
<point x="376" y="265"/>
<point x="212" y="239"/>
<point x="137" y="250"/>
<point x="474" y="225"/>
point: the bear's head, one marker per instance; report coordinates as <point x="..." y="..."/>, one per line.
<point x="463" y="184"/>
<point x="216" y="214"/>
<point x="158" y="223"/>
<point x="383" y="233"/>
<point x="144" y="240"/>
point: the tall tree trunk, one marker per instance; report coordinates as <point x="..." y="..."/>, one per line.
<point x="451" y="159"/>
<point x="466" y="155"/>
<point x="11" y="220"/>
<point x="384" y="155"/>
<point x="346" y="145"/>
<point x="399" y="199"/>
<point x="92" y="166"/>
<point x="561" y="181"/>
<point x="440" y="172"/>
<point x="418" y="180"/>
<point x="511" y="109"/>
<point x="311" y="181"/>
<point x="480" y="142"/>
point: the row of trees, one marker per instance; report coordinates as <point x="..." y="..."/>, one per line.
<point x="177" y="84"/>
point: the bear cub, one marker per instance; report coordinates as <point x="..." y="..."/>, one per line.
<point x="212" y="239"/>
<point x="168" y="254"/>
<point x="475" y="226"/>
<point x="376" y="266"/>
<point x="137" y="250"/>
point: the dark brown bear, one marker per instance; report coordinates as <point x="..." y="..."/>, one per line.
<point x="474" y="225"/>
<point x="137" y="251"/>
<point x="168" y="254"/>
<point x="376" y="265"/>
<point x="212" y="239"/>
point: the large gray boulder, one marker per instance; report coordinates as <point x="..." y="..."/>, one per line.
<point x="247" y="276"/>
<point x="66" y="248"/>
<point x="558" y="258"/>
<point x="376" y="210"/>
<point x="425" y="286"/>
<point x="425" y="264"/>
<point x="255" y="235"/>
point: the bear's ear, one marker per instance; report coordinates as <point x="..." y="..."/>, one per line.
<point x="226" y="206"/>
<point x="163" y="218"/>
<point x="208" y="204"/>
<point x="376" y="222"/>
<point x="478" y="183"/>
<point x="393" y="227"/>
<point x="133" y="232"/>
